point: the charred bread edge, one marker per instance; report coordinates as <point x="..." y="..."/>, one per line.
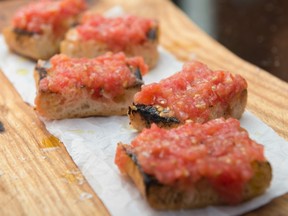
<point x="142" y="116"/>
<point x="146" y="115"/>
<point x="22" y="32"/>
<point x="153" y="34"/>
<point x="164" y="197"/>
<point x="41" y="69"/>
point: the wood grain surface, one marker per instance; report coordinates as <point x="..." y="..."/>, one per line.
<point x="38" y="177"/>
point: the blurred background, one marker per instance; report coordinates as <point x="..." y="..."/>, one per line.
<point x="255" y="30"/>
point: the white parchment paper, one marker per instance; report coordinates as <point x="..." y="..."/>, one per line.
<point x="91" y="142"/>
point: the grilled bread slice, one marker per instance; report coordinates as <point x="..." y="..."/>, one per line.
<point x="142" y="116"/>
<point x="38" y="28"/>
<point x="211" y="185"/>
<point x="164" y="197"/>
<point x="32" y="45"/>
<point x="195" y="94"/>
<point x="80" y="42"/>
<point x="71" y="93"/>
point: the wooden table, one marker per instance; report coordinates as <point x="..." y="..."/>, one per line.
<point x="37" y="176"/>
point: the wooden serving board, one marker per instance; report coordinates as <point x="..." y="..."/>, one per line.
<point x="38" y="177"/>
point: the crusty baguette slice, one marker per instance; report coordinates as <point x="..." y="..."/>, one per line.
<point x="142" y="116"/>
<point x="195" y="94"/>
<point x="81" y="102"/>
<point x="163" y="197"/>
<point x="74" y="46"/>
<point x="32" y="45"/>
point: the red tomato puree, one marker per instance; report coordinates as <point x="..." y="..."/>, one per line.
<point x="116" y="32"/>
<point x="219" y="150"/>
<point x="107" y="75"/>
<point x="192" y="92"/>
<point x="46" y="13"/>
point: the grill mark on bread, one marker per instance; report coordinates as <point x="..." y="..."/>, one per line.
<point x="22" y="32"/>
<point x="150" y="114"/>
<point x="41" y="71"/>
<point x="137" y="72"/>
<point x="153" y="34"/>
<point x="149" y="180"/>
<point x="2" y="128"/>
<point x="138" y="75"/>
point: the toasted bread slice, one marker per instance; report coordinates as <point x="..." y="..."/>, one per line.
<point x="164" y="197"/>
<point x="142" y="116"/>
<point x="38" y="28"/>
<point x="81" y="100"/>
<point x="76" y="46"/>
<point x="195" y="165"/>
<point x="32" y="45"/>
<point x="198" y="96"/>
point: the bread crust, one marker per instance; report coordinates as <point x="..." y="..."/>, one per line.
<point x="81" y="103"/>
<point x="142" y="116"/>
<point x="164" y="197"/>
<point x="74" y="47"/>
<point x="32" y="45"/>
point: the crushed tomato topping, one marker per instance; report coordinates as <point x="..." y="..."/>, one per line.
<point x="116" y="32"/>
<point x="192" y="92"/>
<point x="219" y="150"/>
<point x="46" y="13"/>
<point x="105" y="76"/>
